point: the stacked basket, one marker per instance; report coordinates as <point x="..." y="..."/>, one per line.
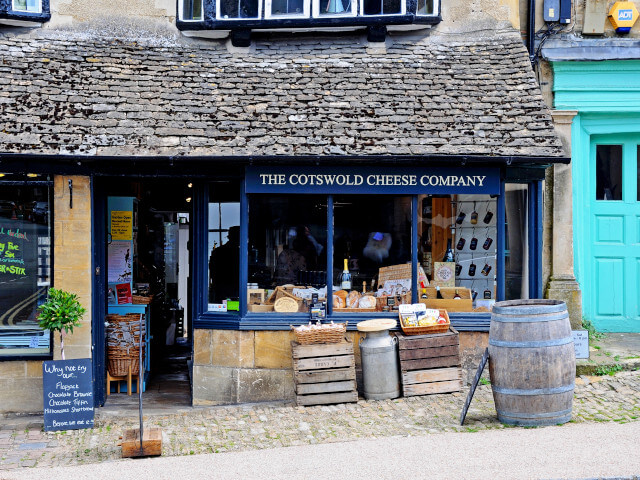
<point x="125" y="334"/>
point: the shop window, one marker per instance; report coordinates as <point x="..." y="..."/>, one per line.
<point x="609" y="172"/>
<point x="457" y="236"/>
<point x="326" y="8"/>
<point x="238" y="9"/>
<point x="190" y="10"/>
<point x="638" y="173"/>
<point x="516" y="242"/>
<point x="382" y="7"/>
<point x="224" y="246"/>
<point x="287" y="8"/>
<point x="287" y="252"/>
<point x="372" y="236"/>
<point x="25" y="267"/>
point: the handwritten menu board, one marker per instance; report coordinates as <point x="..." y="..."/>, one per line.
<point x="68" y="394"/>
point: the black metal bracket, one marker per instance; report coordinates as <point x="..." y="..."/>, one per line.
<point x="70" y="193"/>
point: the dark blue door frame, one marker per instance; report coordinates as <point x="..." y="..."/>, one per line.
<point x="98" y="301"/>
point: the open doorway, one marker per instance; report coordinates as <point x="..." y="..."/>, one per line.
<point x="148" y="289"/>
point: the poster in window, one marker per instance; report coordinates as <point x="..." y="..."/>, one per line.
<point x="119" y="262"/>
<point x="444" y="274"/>
<point x="123" y="293"/>
<point x="121" y="225"/>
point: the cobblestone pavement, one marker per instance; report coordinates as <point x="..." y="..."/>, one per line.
<point x="23" y="443"/>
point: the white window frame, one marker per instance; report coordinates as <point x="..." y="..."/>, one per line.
<point x="306" y="11"/>
<point x="317" y="14"/>
<point x="181" y="12"/>
<point x="403" y="10"/>
<point x="14" y="9"/>
<point x="220" y="17"/>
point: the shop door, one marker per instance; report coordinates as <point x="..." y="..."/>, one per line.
<point x="615" y="233"/>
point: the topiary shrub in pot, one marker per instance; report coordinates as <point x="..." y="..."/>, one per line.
<point x="61" y="311"/>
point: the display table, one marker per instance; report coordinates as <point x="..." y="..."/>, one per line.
<point x="138" y="309"/>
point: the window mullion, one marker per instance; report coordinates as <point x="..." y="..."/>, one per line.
<point x="329" y="254"/>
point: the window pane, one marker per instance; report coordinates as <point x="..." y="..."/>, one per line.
<point x="516" y="244"/>
<point x="333" y="7"/>
<point x="425" y="7"/>
<point x="372" y="232"/>
<point x="287" y="248"/>
<point x="382" y="7"/>
<point x="192" y="10"/>
<point x="224" y="245"/>
<point x="287" y="7"/>
<point x="463" y="226"/>
<point x="609" y="172"/>
<point x="26" y="6"/>
<point x="239" y="9"/>
<point x="638" y="173"/>
<point x="25" y="268"/>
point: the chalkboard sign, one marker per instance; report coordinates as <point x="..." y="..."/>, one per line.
<point x="68" y="394"/>
<point x="474" y="384"/>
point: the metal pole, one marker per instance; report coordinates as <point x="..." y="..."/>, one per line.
<point x="140" y="381"/>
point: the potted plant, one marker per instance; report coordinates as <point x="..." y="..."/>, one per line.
<point x="61" y="311"/>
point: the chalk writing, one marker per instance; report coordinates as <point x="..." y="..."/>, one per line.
<point x="68" y="394"/>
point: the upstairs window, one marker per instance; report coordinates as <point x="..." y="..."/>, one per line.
<point x="191" y="10"/>
<point x="425" y="8"/>
<point x="332" y="8"/>
<point x="30" y="6"/>
<point x="383" y="7"/>
<point x="238" y="9"/>
<point x="286" y="8"/>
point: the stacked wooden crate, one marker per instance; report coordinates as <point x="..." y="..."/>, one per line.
<point x="430" y="363"/>
<point x="324" y="373"/>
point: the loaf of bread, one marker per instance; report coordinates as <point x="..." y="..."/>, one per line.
<point x="338" y="301"/>
<point x="352" y="299"/>
<point x="367" y="301"/>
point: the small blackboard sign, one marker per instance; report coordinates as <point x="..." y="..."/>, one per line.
<point x="68" y="394"/>
<point x="474" y="384"/>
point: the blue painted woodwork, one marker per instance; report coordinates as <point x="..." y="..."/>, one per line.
<point x="99" y="287"/>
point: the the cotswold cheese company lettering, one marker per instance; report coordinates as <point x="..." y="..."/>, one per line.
<point x="397" y="180"/>
<point x="68" y="394"/>
<point x="374" y="180"/>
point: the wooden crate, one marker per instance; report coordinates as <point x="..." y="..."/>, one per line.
<point x="324" y="373"/>
<point x="430" y="363"/>
<point x="463" y="304"/>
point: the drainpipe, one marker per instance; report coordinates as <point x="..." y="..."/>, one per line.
<point x="531" y="32"/>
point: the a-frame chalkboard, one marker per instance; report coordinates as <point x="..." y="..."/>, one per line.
<point x="474" y="384"/>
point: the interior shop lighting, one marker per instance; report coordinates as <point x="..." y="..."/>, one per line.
<point x="188" y="199"/>
<point x="32" y="175"/>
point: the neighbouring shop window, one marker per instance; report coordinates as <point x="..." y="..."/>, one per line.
<point x="457" y="250"/>
<point x="25" y="267"/>
<point x="286" y="8"/>
<point x="31" y="6"/>
<point x="383" y="7"/>
<point x="191" y="10"/>
<point x="372" y="243"/>
<point x="516" y="242"/>
<point x="224" y="246"/>
<point x="287" y="252"/>
<point x="609" y="172"/>
<point x="236" y="9"/>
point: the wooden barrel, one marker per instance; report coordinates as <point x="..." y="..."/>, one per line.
<point x="532" y="362"/>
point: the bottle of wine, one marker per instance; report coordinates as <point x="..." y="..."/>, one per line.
<point x="345" y="277"/>
<point x="424" y="295"/>
<point x="448" y="255"/>
<point x="438" y="294"/>
<point x="457" y="296"/>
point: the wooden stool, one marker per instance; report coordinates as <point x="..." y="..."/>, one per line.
<point x="126" y="377"/>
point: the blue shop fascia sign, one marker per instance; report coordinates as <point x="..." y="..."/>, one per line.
<point x="377" y="180"/>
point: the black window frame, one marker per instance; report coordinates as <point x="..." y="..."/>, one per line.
<point x="7" y="13"/>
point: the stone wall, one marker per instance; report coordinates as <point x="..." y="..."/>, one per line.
<point x="256" y="366"/>
<point x="21" y="381"/>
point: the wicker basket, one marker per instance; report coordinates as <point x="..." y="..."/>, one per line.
<point x="424" y="330"/>
<point x="119" y="366"/>
<point x="326" y="333"/>
<point x="141" y="299"/>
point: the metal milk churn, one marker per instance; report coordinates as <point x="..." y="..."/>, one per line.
<point x="378" y="350"/>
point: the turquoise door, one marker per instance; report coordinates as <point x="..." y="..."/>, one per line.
<point x="614" y="227"/>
